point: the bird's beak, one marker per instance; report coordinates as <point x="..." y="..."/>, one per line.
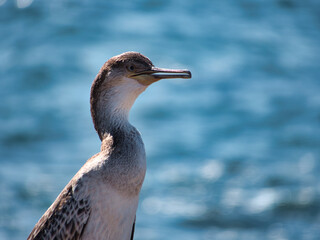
<point x="155" y="74"/>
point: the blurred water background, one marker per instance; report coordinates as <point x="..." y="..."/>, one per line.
<point x="233" y="153"/>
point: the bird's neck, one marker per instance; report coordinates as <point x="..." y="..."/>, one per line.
<point x="111" y="111"/>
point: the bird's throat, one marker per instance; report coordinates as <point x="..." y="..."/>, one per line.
<point x="113" y="106"/>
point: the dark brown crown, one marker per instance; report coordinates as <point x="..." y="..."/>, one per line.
<point x="126" y="58"/>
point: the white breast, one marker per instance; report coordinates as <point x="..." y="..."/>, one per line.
<point x="112" y="215"/>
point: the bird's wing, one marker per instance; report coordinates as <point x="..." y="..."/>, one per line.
<point x="133" y="227"/>
<point x="66" y="218"/>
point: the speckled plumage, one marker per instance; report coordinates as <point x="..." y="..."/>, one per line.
<point x="102" y="197"/>
<point x="66" y="218"/>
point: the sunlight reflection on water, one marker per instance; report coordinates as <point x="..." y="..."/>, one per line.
<point x="233" y="153"/>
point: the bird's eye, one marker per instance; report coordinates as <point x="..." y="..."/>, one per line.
<point x="131" y="68"/>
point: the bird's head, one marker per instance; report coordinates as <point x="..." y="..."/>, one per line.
<point x="127" y="75"/>
<point x="135" y="66"/>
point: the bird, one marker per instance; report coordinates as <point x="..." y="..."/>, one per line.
<point x="101" y="200"/>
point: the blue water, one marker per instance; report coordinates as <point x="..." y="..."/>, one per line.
<point x="233" y="153"/>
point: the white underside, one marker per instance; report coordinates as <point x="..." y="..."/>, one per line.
<point x="112" y="215"/>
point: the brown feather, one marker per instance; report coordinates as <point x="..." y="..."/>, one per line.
<point x="66" y="218"/>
